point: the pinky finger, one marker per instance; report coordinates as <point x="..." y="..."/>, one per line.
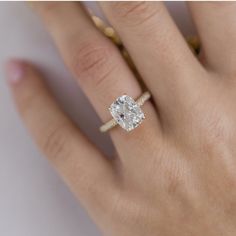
<point x="81" y="165"/>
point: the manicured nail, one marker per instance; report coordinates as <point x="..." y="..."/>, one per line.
<point x="15" y="71"/>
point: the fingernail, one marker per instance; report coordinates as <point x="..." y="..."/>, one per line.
<point x="15" y="71"/>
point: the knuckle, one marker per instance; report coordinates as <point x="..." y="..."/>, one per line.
<point x="131" y="209"/>
<point x="123" y="209"/>
<point x="173" y="184"/>
<point x="175" y="176"/>
<point x="54" y="144"/>
<point x="135" y="13"/>
<point x="93" y="63"/>
<point x="217" y="127"/>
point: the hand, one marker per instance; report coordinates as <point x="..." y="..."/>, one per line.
<point x="175" y="175"/>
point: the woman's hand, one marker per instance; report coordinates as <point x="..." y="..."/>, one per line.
<point x="174" y="175"/>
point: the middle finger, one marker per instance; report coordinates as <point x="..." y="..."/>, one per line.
<point x="158" y="50"/>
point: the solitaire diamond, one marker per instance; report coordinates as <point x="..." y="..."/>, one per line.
<point x="126" y="112"/>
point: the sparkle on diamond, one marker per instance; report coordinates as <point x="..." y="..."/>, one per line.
<point x="126" y="112"/>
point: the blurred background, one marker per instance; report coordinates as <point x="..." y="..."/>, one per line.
<point x="33" y="199"/>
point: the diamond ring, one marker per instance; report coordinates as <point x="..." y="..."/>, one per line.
<point x="126" y="112"/>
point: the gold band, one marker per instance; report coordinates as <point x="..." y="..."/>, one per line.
<point x="112" y="123"/>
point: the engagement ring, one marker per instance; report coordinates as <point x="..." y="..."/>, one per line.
<point x="126" y="112"/>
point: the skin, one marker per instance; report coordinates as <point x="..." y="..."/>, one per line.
<point x="175" y="175"/>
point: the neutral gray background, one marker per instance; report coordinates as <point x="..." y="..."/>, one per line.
<point x="33" y="199"/>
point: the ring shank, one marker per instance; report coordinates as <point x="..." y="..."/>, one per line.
<point x="112" y="123"/>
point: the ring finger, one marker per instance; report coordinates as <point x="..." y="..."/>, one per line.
<point x="99" y="69"/>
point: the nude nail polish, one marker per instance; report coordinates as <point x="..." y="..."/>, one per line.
<point x="15" y="71"/>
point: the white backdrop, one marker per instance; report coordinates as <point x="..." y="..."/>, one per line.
<point x="33" y="199"/>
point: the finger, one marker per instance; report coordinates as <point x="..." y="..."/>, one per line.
<point x="80" y="164"/>
<point x="216" y="25"/>
<point x="99" y="69"/>
<point x="157" y="48"/>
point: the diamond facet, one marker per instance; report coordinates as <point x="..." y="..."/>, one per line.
<point x="126" y="112"/>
